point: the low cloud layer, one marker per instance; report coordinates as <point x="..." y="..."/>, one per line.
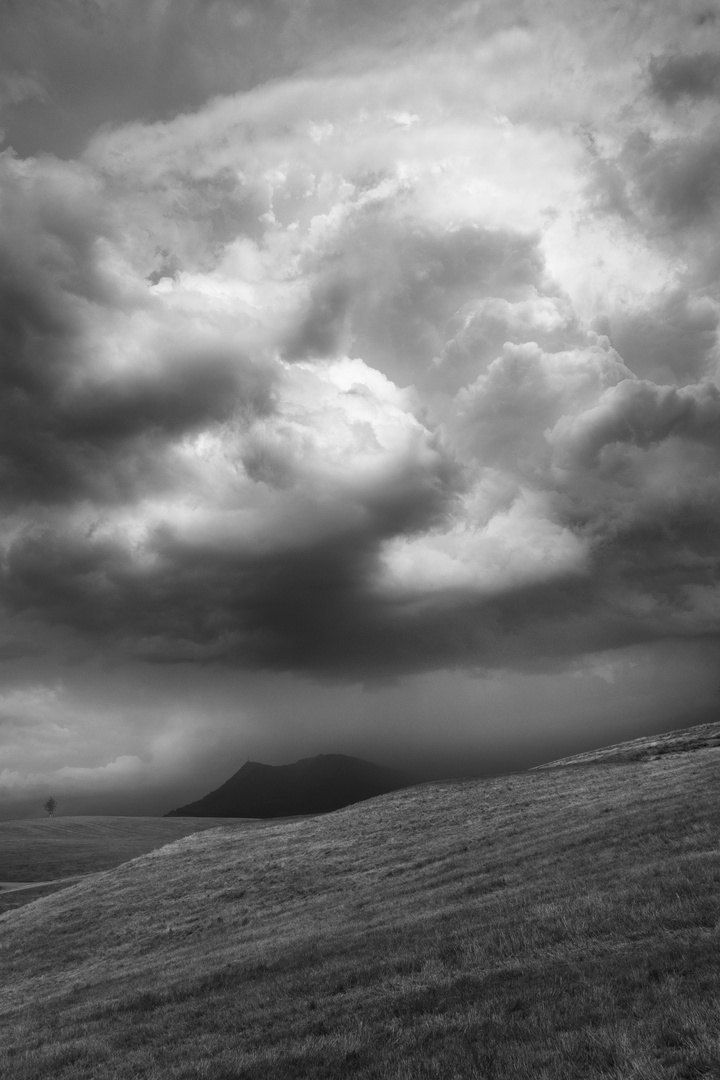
<point x="354" y="362"/>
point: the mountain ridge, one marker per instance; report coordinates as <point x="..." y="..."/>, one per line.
<point x="312" y="785"/>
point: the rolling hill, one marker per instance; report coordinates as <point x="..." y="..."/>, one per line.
<point x="555" y="924"/>
<point x="314" y="785"/>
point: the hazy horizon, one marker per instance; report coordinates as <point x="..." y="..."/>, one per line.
<point x="358" y="387"/>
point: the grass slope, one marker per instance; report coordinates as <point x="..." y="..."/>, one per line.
<point x="551" y="925"/>
<point x="647" y="748"/>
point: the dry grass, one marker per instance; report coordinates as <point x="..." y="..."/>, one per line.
<point x="553" y="925"/>
<point x="648" y="747"/>
<point x="10" y="899"/>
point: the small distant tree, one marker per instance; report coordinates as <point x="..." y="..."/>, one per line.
<point x="50" y="806"/>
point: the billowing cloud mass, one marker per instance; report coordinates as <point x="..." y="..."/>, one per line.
<point x="354" y="343"/>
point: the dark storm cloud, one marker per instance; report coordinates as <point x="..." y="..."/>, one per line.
<point x="315" y="606"/>
<point x="107" y="439"/>
<point x="270" y="405"/>
<point x="186" y="393"/>
<point x="63" y="437"/>
<point x="18" y="649"/>
<point x="671" y="183"/>
<point x="695" y="75"/>
<point x="642" y="414"/>
<point x="38" y="332"/>
<point x="679" y="178"/>
<point x="505" y="418"/>
<point x="97" y="62"/>
<point x="324" y="470"/>
<point x="671" y="340"/>
<point x="323" y="329"/>
<point x="73" y="65"/>
<point x="319" y="356"/>
<point x="666" y="189"/>
<point x="312" y="609"/>
<point x="70" y="427"/>
<point x="252" y="603"/>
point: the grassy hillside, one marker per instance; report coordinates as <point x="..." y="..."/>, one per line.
<point x="38" y="849"/>
<point x="553" y="925"/>
<point x="647" y="748"/>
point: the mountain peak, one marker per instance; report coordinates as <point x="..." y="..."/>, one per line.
<point x="313" y="785"/>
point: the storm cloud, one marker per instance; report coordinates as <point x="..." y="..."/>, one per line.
<point x="351" y="345"/>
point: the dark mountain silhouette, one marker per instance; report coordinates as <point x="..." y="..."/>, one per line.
<point x="310" y="786"/>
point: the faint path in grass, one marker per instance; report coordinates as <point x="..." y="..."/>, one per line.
<point x="15" y="886"/>
<point x="39" y="856"/>
<point x="48" y="849"/>
<point x="15" y="894"/>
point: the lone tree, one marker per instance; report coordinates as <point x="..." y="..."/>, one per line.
<point x="50" y="806"/>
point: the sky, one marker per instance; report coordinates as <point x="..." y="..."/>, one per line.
<point x="359" y="386"/>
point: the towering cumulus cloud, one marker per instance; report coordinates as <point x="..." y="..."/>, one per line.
<point x="355" y="344"/>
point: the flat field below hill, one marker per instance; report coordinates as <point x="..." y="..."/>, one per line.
<point x="37" y="849"/>
<point x="561" y="924"/>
